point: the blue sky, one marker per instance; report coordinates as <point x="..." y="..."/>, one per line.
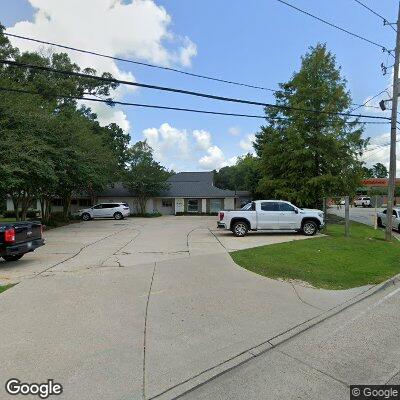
<point x="256" y="41"/>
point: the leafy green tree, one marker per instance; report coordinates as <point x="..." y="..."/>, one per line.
<point x="244" y="175"/>
<point x="49" y="146"/>
<point x="305" y="156"/>
<point x="226" y="178"/>
<point x="144" y="177"/>
<point x="367" y="173"/>
<point x="379" y="171"/>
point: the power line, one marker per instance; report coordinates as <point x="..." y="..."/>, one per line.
<point x="182" y="91"/>
<point x="111" y="102"/>
<point x="370" y="99"/>
<point x="148" y="65"/>
<point x="94" y="53"/>
<point x="377" y="150"/>
<point x="384" y="48"/>
<point x="385" y="20"/>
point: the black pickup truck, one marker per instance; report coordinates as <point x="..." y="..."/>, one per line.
<point x="19" y="238"/>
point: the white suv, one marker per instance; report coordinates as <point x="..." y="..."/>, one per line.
<point x="105" y="210"/>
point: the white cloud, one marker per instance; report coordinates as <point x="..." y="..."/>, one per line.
<point x="215" y="159"/>
<point x="377" y="154"/>
<point x="247" y="143"/>
<point x="169" y="144"/>
<point x="234" y="131"/>
<point x="187" y="52"/>
<point x="107" y="115"/>
<point x="138" y="29"/>
<point x="203" y="139"/>
<point x="180" y="149"/>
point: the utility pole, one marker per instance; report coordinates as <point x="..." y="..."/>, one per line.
<point x="393" y="132"/>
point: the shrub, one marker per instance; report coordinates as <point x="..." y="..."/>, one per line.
<point x="146" y="215"/>
<point x="29" y="214"/>
<point x="198" y="214"/>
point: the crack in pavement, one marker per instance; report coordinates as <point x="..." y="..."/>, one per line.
<point x="122" y="247"/>
<point x="219" y="241"/>
<point x="393" y="376"/>
<point x="77" y="253"/>
<point x="345" y="384"/>
<point x="188" y="235"/>
<point x="303" y="301"/>
<point x="145" y="333"/>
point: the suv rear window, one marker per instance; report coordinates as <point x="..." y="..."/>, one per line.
<point x="110" y="205"/>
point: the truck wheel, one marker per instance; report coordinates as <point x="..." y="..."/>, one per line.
<point x="118" y="216"/>
<point x="86" y="217"/>
<point x="240" y="228"/>
<point x="379" y="223"/>
<point x="15" y="257"/>
<point x="309" y="228"/>
<point x="364" y="205"/>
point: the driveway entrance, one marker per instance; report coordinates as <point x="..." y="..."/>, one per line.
<point x="144" y="308"/>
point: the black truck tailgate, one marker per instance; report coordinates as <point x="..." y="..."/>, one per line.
<point x="26" y="231"/>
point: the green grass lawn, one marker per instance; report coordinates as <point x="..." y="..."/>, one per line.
<point x="4" y="288"/>
<point x="331" y="262"/>
<point x="7" y="219"/>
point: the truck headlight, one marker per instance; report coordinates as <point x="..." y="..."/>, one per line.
<point x="321" y="215"/>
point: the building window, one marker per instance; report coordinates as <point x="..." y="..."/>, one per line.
<point x="166" y="202"/>
<point x="215" y="205"/>
<point x="85" y="202"/>
<point x="57" y="202"/>
<point x="193" y="205"/>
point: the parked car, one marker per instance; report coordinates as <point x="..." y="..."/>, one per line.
<point x="382" y="218"/>
<point x="105" y="210"/>
<point x="271" y="215"/>
<point x="19" y="238"/>
<point x="362" y="202"/>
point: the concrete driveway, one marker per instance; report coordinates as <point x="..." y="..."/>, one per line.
<point x="145" y="308"/>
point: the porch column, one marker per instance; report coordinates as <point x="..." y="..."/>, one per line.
<point x="203" y="205"/>
<point x="229" y="203"/>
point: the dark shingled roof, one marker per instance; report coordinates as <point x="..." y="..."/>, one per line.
<point x="196" y="190"/>
<point x="193" y="177"/>
<point x="183" y="184"/>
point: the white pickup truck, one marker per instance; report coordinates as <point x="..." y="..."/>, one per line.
<point x="362" y="202"/>
<point x="382" y="218"/>
<point x="271" y="215"/>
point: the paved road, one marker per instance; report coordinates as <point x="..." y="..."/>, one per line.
<point x="358" y="214"/>
<point x="357" y="346"/>
<point x="144" y="308"/>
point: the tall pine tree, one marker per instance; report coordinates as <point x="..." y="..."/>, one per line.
<point x="307" y="155"/>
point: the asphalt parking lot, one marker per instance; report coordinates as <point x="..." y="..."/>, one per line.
<point x="145" y="308"/>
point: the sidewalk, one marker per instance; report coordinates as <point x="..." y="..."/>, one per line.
<point x="357" y="346"/>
